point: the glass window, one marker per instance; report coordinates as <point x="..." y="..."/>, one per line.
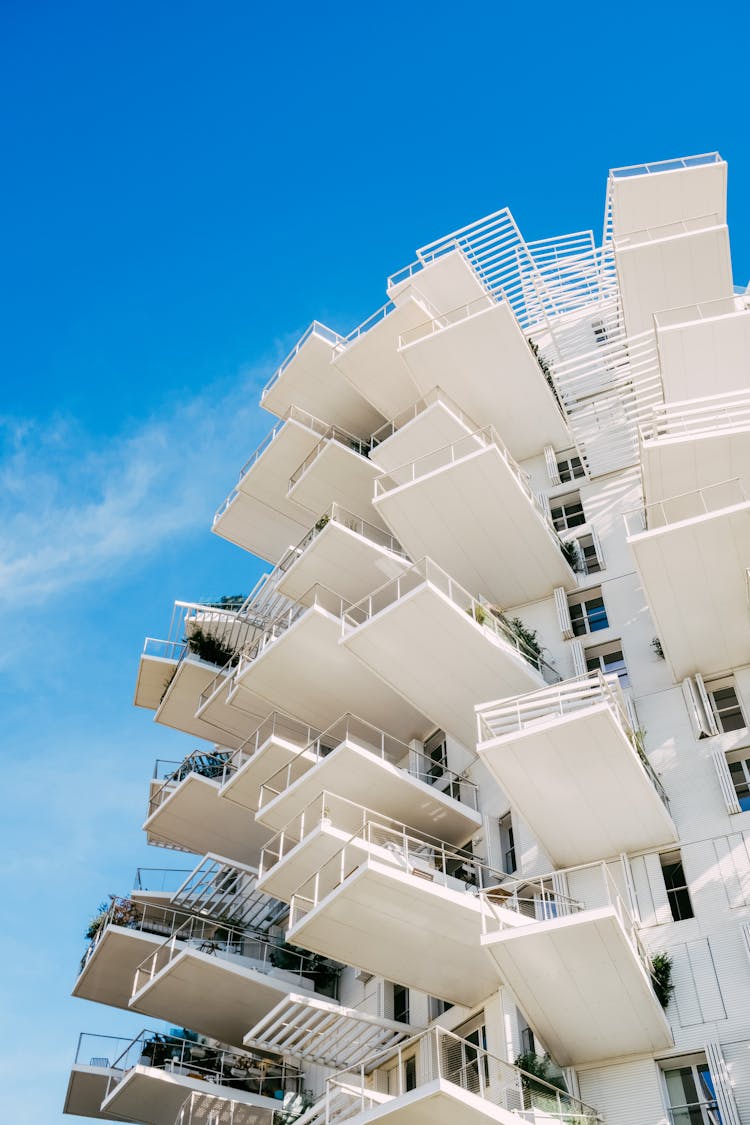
<point x="592" y="561"/>
<point x="725" y="704"/>
<point x="508" y="844"/>
<point x="676" y="885"/>
<point x="567" y="511"/>
<point x="739" y="768"/>
<point x="400" y="1003"/>
<point x="587" y="612"/>
<point x="692" y="1099"/>
<point x="569" y="467"/>
<point x="609" y="660"/>
<point x="436" y="750"/>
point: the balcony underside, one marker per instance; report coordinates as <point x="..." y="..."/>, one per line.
<point x="267" y="479"/>
<point x="694" y="578"/>
<point x="197" y="819"/>
<point x="308" y="674"/>
<point x="238" y="716"/>
<point x="404" y="927"/>
<point x="108" y="975"/>
<point x="442" y="1103"/>
<point x="258" y="528"/>
<point x="302" y="861"/>
<point x="582" y="987"/>
<point x="342" y="476"/>
<point x="358" y="775"/>
<point x="440" y="659"/>
<point x="373" y="365"/>
<point x="154" y="675"/>
<point x="312" y="382"/>
<point x="341" y="560"/>
<point x="579" y="784"/>
<point x="653" y="199"/>
<point x="87" y="1087"/>
<point x="435" y="427"/>
<point x="673" y="465"/>
<point x="447" y="282"/>
<point x="705" y="353"/>
<point x="212" y="995"/>
<point x="154" y="1096"/>
<point x="671" y="272"/>
<point x="243" y="787"/>
<point x="475" y="520"/>
<point x="177" y="708"/>
<point x="486" y="365"/>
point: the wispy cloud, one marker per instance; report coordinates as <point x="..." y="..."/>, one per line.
<point x="74" y="508"/>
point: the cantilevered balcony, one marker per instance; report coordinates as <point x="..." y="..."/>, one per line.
<point x="437" y="1078"/>
<point x="299" y="666"/>
<point x="337" y="469"/>
<point x="158" y="884"/>
<point x="91" y="1073"/>
<point x="692" y="552"/>
<point x="648" y="195"/>
<point x="257" y="514"/>
<point x="366" y="765"/>
<point x="704" y="345"/>
<point x="186" y="812"/>
<point x="372" y="903"/>
<point x="438" y="646"/>
<point x="480" y="356"/>
<point x="202" y="1108"/>
<point x="220" y="980"/>
<point x="309" y="379"/>
<point x="568" y="759"/>
<point x="342" y="552"/>
<point x="678" y="263"/>
<point x="445" y="281"/>
<point x="470" y="507"/>
<point x="275" y="742"/>
<point x="430" y="423"/>
<point x="568" y="949"/>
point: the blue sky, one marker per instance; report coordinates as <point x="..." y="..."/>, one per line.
<point x="185" y="187"/>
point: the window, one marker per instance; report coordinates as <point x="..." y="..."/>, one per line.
<point x="600" y="331"/>
<point x="436" y="1007"/>
<point x="676" y="885"/>
<point x="587" y="612"/>
<point x="609" y="660"/>
<point x="436" y="750"/>
<point x="400" y="1003"/>
<point x="525" y="1036"/>
<point x="567" y="511"/>
<point x="725" y="705"/>
<point x="691" y="1095"/>
<point x="569" y="467"/>
<point x="410" y="1073"/>
<point x="471" y="1061"/>
<point x="507" y="844"/>
<point x="739" y="768"/>
<point x="592" y="560"/>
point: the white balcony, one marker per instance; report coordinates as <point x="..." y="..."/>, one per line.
<point x="704" y="345"/>
<point x="342" y="552"/>
<point x="366" y="765"/>
<point x="186" y="811"/>
<point x="216" y="980"/>
<point x="437" y="1078"/>
<point x="681" y="263"/>
<point x="470" y="507"/>
<point x="301" y="667"/>
<point x="277" y="741"/>
<point x="445" y="282"/>
<point x="692" y="552"/>
<point x="689" y="445"/>
<point x="369" y="356"/>
<point x="649" y="195"/>
<point x="258" y="515"/>
<point x="569" y="761"/>
<point x="479" y="355"/>
<point x="338" y="469"/>
<point x="183" y="678"/>
<point x="90" y="1075"/>
<point x="430" y="423"/>
<point x="308" y="379"/>
<point x="575" y="964"/>
<point x="401" y="907"/>
<point x="424" y="634"/>
<point x="157" y="885"/>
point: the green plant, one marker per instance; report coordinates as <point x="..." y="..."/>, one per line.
<point x="527" y="638"/>
<point x="321" y="523"/>
<point x="545" y="369"/>
<point x="572" y="554"/>
<point x="542" y="1068"/>
<point x="324" y="972"/>
<point x="657" y="647"/>
<point x="118" y="912"/>
<point x="210" y="649"/>
<point x="294" y="1107"/>
<point x="661" y="977"/>
<point x="478" y="612"/>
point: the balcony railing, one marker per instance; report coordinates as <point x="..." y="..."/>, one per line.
<point x="336" y="514"/>
<point x="441" y="1056"/>
<point x="317" y="597"/>
<point x="511" y="716"/>
<point x="711" y="499"/>
<point x="445" y="320"/>
<point x="220" y="889"/>
<point x="665" y="165"/>
<point x="702" y="416"/>
<point x="668" y="230"/>
<point x="315" y="328"/>
<point x="436" y="395"/>
<point x="276" y="726"/>
<point x="194" y="1057"/>
<point x="702" y="310"/>
<point x="336" y="434"/>
<point x="147" y="918"/>
<point x="200" y="762"/>
<point x="381" y="745"/>
<point x="98" y="1050"/>
<point x="159" y="880"/>
<point x="695" y="1113"/>
<point x="427" y="572"/>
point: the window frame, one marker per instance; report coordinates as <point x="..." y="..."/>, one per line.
<point x="582" y="624"/>
<point x="718" y="684"/>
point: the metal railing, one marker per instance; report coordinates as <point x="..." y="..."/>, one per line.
<point x="701" y="310"/>
<point x="392" y="843"/>
<point x="194" y="1057"/>
<point x="147" y="918"/>
<point x="574" y="696"/>
<point x="706" y="501"/>
<point x="674" y="229"/>
<point x="426" y="572"/>
<point x="700" y="416"/>
<point x="665" y="165"/>
<point x="317" y="597"/>
<point x="445" y="320"/>
<point x="160" y="879"/>
<point x="163" y="649"/>
<point x="224" y="890"/>
<point x="98" y="1050"/>
<point x="317" y="329"/>
<point x="339" y="436"/>
<point x="336" y="514"/>
<point x="436" y="395"/>
<point x="209" y="764"/>
<point x="276" y="726"/>
<point x="441" y="1056"/>
<point x="349" y="728"/>
<point x="695" y="1113"/>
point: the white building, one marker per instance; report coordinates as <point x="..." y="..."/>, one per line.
<point x="481" y="733"/>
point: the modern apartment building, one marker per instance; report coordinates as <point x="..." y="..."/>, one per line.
<point x="465" y="836"/>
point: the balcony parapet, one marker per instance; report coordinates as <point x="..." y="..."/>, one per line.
<point x="275" y="726"/>
<point x="675" y="229"/>
<point x="337" y="434"/>
<point x="701" y="310"/>
<point x="339" y="515"/>
<point x="659" y="166"/>
<point x="146" y="918"/>
<point x="315" y="329"/>
<point x="436" y="395"/>
<point x="694" y="505"/>
<point x="714" y="414"/>
<point x="208" y="764"/>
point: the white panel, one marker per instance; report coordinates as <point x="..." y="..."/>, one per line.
<point x="703" y="969"/>
<point x="685" y="997"/>
<point x="734" y="864"/>
<point x="551" y="460"/>
<point x="722" y="1085"/>
<point x="651" y="894"/>
<point x="627" y="877"/>
<point x="625" y="1094"/>
<point x="706" y="704"/>
<point x="725" y="781"/>
<point x="745" y="927"/>
<point x="597" y="546"/>
<point x="579" y="659"/>
<point x="737" y="1061"/>
<point x="563" y="613"/>
<point x="694" y="708"/>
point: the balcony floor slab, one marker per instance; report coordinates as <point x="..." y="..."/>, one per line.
<point x="341" y="560"/>
<point x="259" y="528"/>
<point x="435" y="427"/>
<point x="180" y="702"/>
<point x="673" y="465"/>
<point x="440" y="1103"/>
<point x="194" y="817"/>
<point x="107" y="977"/>
<point x="340" y="475"/>
<point x="87" y="1088"/>
<point x="154" y="1096"/>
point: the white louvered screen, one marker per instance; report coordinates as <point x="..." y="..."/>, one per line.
<point x="694" y="708"/>
<point x="563" y="613"/>
<point x="552" y="471"/>
<point x="579" y="658"/>
<point x="706" y="704"/>
<point x="597" y="546"/>
<point x="722" y="1085"/>
<point x="725" y="782"/>
<point x="745" y="928"/>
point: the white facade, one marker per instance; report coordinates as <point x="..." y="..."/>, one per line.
<point x="484" y="728"/>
